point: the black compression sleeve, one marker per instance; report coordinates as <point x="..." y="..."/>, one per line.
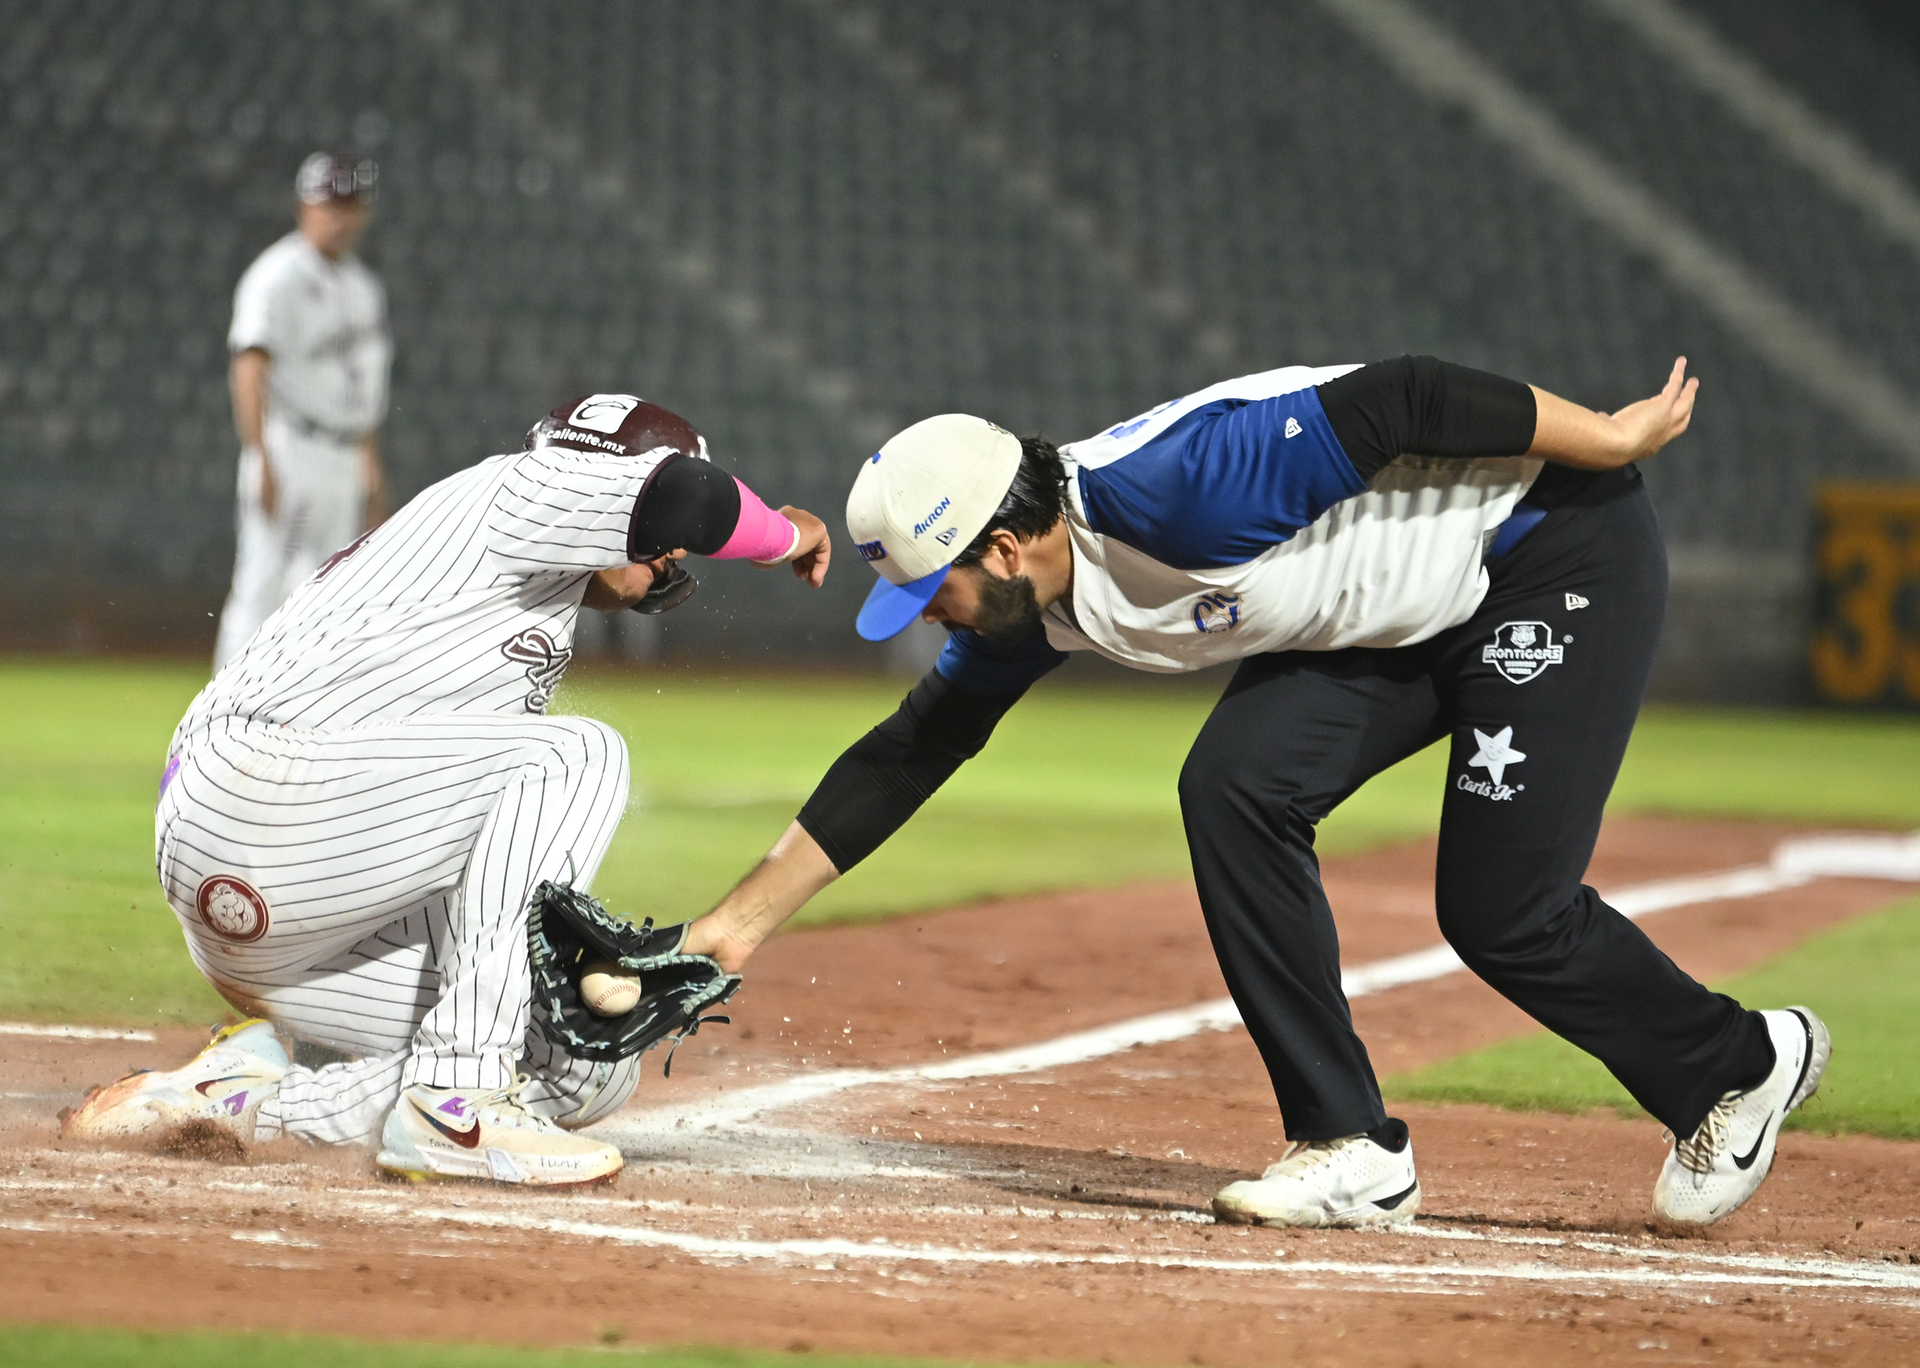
<point x="884" y="777"/>
<point x="1432" y="407"/>
<point x="685" y="502"/>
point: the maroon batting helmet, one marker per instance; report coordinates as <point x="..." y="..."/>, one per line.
<point x="618" y="424"/>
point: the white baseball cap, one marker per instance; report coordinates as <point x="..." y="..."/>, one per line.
<point x="920" y="501"/>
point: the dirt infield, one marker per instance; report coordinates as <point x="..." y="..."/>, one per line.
<point x="877" y="1179"/>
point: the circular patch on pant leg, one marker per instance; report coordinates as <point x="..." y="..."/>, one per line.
<point x="231" y="908"/>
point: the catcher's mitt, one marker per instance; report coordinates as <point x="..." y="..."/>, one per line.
<point x="566" y="929"/>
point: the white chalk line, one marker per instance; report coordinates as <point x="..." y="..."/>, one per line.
<point x="1776" y="1273"/>
<point x="1676" y="1265"/>
<point x="1794" y="864"/>
<point x="831" y="1254"/>
<point x="27" y="1028"/>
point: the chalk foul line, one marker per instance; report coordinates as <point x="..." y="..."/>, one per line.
<point x="27" y="1028"/>
<point x="831" y="1252"/>
<point x="1794" y="864"/>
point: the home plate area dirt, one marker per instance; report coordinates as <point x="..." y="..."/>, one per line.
<point x="852" y="1167"/>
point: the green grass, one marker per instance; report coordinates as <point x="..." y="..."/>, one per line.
<point x="1829" y="767"/>
<point x="720" y="767"/>
<point x="1863" y="978"/>
<point x="84" y="932"/>
<point x="24" y="1346"/>
<point x="1075" y="790"/>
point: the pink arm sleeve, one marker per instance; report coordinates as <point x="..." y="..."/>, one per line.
<point x="761" y="534"/>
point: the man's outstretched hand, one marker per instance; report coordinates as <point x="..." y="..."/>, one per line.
<point x="793" y="871"/>
<point x="1567" y="434"/>
<point x="809" y="559"/>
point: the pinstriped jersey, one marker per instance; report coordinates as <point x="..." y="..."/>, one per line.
<point x="324" y="323"/>
<point x="463" y="602"/>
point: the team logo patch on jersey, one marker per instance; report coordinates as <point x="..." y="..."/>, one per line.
<point x="1216" y="612"/>
<point x="545" y="664"/>
<point x="231" y="909"/>
<point x="1522" y="651"/>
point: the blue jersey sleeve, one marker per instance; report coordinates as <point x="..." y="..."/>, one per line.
<point x="1223" y="484"/>
<point x="969" y="661"/>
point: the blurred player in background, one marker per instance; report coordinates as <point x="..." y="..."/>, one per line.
<point x="309" y="380"/>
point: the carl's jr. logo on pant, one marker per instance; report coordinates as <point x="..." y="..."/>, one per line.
<point x="1495" y="754"/>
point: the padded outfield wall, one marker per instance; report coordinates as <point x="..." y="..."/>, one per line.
<point x="804" y="223"/>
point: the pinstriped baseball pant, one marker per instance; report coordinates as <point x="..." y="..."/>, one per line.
<point x="394" y="863"/>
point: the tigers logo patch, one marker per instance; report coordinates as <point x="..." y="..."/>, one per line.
<point x="231" y="909"/>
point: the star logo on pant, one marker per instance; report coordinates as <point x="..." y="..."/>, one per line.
<point x="1496" y="753"/>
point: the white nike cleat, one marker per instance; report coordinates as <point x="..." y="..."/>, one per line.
<point x="1720" y="1165"/>
<point x="1349" y="1182"/>
<point x="462" y="1133"/>
<point x="218" y="1093"/>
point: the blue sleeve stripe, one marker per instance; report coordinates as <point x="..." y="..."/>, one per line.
<point x="969" y="662"/>
<point x="1223" y="484"/>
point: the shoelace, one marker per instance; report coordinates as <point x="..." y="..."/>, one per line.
<point x="1306" y="1154"/>
<point x="508" y="1099"/>
<point x="1698" y="1151"/>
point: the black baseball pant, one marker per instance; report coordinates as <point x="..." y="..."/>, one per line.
<point x="1538" y="692"/>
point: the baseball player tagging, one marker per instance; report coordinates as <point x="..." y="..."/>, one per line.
<point x="1502" y="589"/>
<point x="356" y="810"/>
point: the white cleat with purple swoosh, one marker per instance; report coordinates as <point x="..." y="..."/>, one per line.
<point x="487" y="1134"/>
<point x="219" y="1091"/>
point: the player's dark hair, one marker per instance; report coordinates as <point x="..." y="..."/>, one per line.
<point x="1034" y="503"/>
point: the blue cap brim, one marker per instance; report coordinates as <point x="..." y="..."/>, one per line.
<point x="890" y="608"/>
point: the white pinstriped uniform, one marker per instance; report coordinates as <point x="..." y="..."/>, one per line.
<point x="324" y="325"/>
<point x="359" y="805"/>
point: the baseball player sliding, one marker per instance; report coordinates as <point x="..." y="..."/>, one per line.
<point x="358" y="810"/>
<point x="309" y="380"/>
<point x="1503" y="589"/>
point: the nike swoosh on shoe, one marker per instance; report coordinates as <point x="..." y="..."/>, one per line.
<point x="203" y="1088"/>
<point x="1745" y="1161"/>
<point x="1389" y="1203"/>
<point x="466" y="1139"/>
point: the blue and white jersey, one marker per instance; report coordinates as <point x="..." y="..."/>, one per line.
<point x="1231" y="523"/>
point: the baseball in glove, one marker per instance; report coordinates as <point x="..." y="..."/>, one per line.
<point x="567" y="930"/>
